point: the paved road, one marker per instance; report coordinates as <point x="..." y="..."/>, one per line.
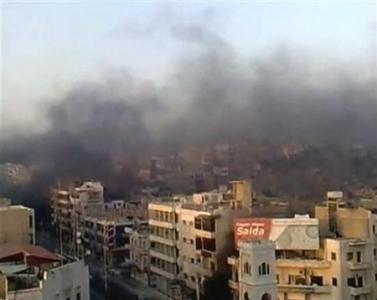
<point x="122" y="287"/>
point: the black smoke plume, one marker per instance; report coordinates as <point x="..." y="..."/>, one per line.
<point x="213" y="95"/>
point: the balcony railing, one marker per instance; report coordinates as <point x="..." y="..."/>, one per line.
<point x="355" y="266"/>
<point x="356" y="291"/>
<point x="306" y="289"/>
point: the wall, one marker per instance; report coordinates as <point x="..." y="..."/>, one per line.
<point x="67" y="281"/>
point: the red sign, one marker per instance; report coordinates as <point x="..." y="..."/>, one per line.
<point x="251" y="229"/>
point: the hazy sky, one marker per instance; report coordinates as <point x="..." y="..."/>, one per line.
<point x="48" y="46"/>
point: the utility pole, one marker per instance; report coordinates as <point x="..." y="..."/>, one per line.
<point x="105" y="266"/>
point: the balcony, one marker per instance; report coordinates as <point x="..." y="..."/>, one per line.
<point x="233" y="285"/>
<point x="205" y="234"/>
<point x="163" y="224"/>
<point x="305" y="289"/>
<point x="162" y="256"/>
<point x="357" y="291"/>
<point x="357" y="243"/>
<point x="303" y="263"/>
<point x="163" y="273"/>
<point x="356" y="266"/>
<point x="156" y="238"/>
<point x="233" y="261"/>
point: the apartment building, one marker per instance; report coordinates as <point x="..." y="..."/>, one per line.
<point x="108" y="239"/>
<point x="33" y="273"/>
<point x="164" y="241"/>
<point x="331" y="256"/>
<point x="205" y="242"/>
<point x="139" y="254"/>
<point x="70" y="206"/>
<point x="191" y="237"/>
<point x="17" y="224"/>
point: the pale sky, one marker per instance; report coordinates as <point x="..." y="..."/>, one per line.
<point x="48" y="45"/>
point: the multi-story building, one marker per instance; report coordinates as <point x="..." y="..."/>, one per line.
<point x="17" y="224"/>
<point x="191" y="237"/>
<point x="330" y="257"/>
<point x="33" y="273"/>
<point x="256" y="271"/>
<point x="205" y="241"/>
<point x="139" y="254"/>
<point x="108" y="239"/>
<point x="164" y="253"/>
<point x="70" y="206"/>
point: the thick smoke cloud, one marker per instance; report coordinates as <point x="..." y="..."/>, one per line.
<point x="213" y="95"/>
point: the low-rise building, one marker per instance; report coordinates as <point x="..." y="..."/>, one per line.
<point x="33" y="273"/>
<point x="17" y="224"/>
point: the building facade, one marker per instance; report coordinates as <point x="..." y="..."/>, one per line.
<point x="334" y="259"/>
<point x="17" y="224"/>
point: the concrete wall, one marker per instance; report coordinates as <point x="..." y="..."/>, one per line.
<point x="15" y="225"/>
<point x="66" y="282"/>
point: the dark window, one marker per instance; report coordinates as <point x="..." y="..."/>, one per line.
<point x="198" y="244"/>
<point x="333" y="256"/>
<point x="334" y="282"/>
<point x="209" y="244"/>
<point x="375" y="276"/>
<point x="358" y="255"/>
<point x="349" y="256"/>
<point x="318" y="280"/>
<point x="359" y="281"/>
<point x="78" y="296"/>
<point x="30" y="221"/>
<point x="246" y="268"/>
<point x="351" y="282"/>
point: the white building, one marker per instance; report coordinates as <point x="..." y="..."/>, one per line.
<point x="33" y="273"/>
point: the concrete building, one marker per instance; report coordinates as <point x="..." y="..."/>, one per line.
<point x="164" y="240"/>
<point x="205" y="241"/>
<point x="256" y="271"/>
<point x="330" y="257"/>
<point x="17" y="224"/>
<point x="139" y="254"/>
<point x="191" y="237"/>
<point x="70" y="206"/>
<point x="108" y="239"/>
<point x="33" y="273"/>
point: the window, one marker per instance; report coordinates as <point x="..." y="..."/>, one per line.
<point x="351" y="282"/>
<point x="358" y="255"/>
<point x="374" y="229"/>
<point x="334" y="281"/>
<point x="30" y="221"/>
<point x="264" y="269"/>
<point x="192" y="260"/>
<point x="349" y="256"/>
<point x="191" y="241"/>
<point x="333" y="256"/>
<point x="192" y="278"/>
<point x="184" y="222"/>
<point x="78" y="296"/>
<point x="318" y="280"/>
<point x="277" y="279"/>
<point x="184" y="240"/>
<point x="374" y="252"/>
<point x="246" y="268"/>
<point x="375" y="276"/>
<point x="359" y="280"/>
<point x="185" y="275"/>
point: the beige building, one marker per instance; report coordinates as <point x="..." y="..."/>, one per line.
<point x="70" y="206"/>
<point x="17" y="224"/>
<point x="336" y="259"/>
<point x="164" y="240"/>
<point x="191" y="237"/>
<point x="139" y="254"/>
